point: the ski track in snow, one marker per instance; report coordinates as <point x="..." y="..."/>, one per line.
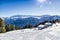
<point x="32" y="34"/>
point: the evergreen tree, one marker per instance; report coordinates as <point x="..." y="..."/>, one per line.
<point x="2" y="27"/>
<point x="57" y="20"/>
<point x="13" y="27"/>
<point x="17" y="28"/>
<point x="27" y="26"/>
<point x="8" y="27"/>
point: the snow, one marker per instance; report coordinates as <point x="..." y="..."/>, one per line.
<point x="48" y="23"/>
<point x="51" y="33"/>
<point x="41" y="25"/>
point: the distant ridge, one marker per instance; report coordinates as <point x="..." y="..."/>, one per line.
<point x="21" y="20"/>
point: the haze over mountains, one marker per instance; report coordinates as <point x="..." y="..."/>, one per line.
<point x="22" y="20"/>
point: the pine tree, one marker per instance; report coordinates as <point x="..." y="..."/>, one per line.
<point x="8" y="27"/>
<point x="2" y="27"/>
<point x="17" y="28"/>
<point x="13" y="27"/>
<point x="28" y="26"/>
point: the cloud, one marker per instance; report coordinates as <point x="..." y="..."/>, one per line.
<point x="41" y="1"/>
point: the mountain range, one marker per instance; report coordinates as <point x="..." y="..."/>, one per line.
<point x="22" y="20"/>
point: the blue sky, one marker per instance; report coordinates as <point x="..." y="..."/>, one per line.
<point x="29" y="7"/>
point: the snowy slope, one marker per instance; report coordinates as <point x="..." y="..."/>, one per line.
<point x="51" y="33"/>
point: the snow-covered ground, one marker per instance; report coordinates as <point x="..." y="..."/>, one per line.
<point x="50" y="33"/>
